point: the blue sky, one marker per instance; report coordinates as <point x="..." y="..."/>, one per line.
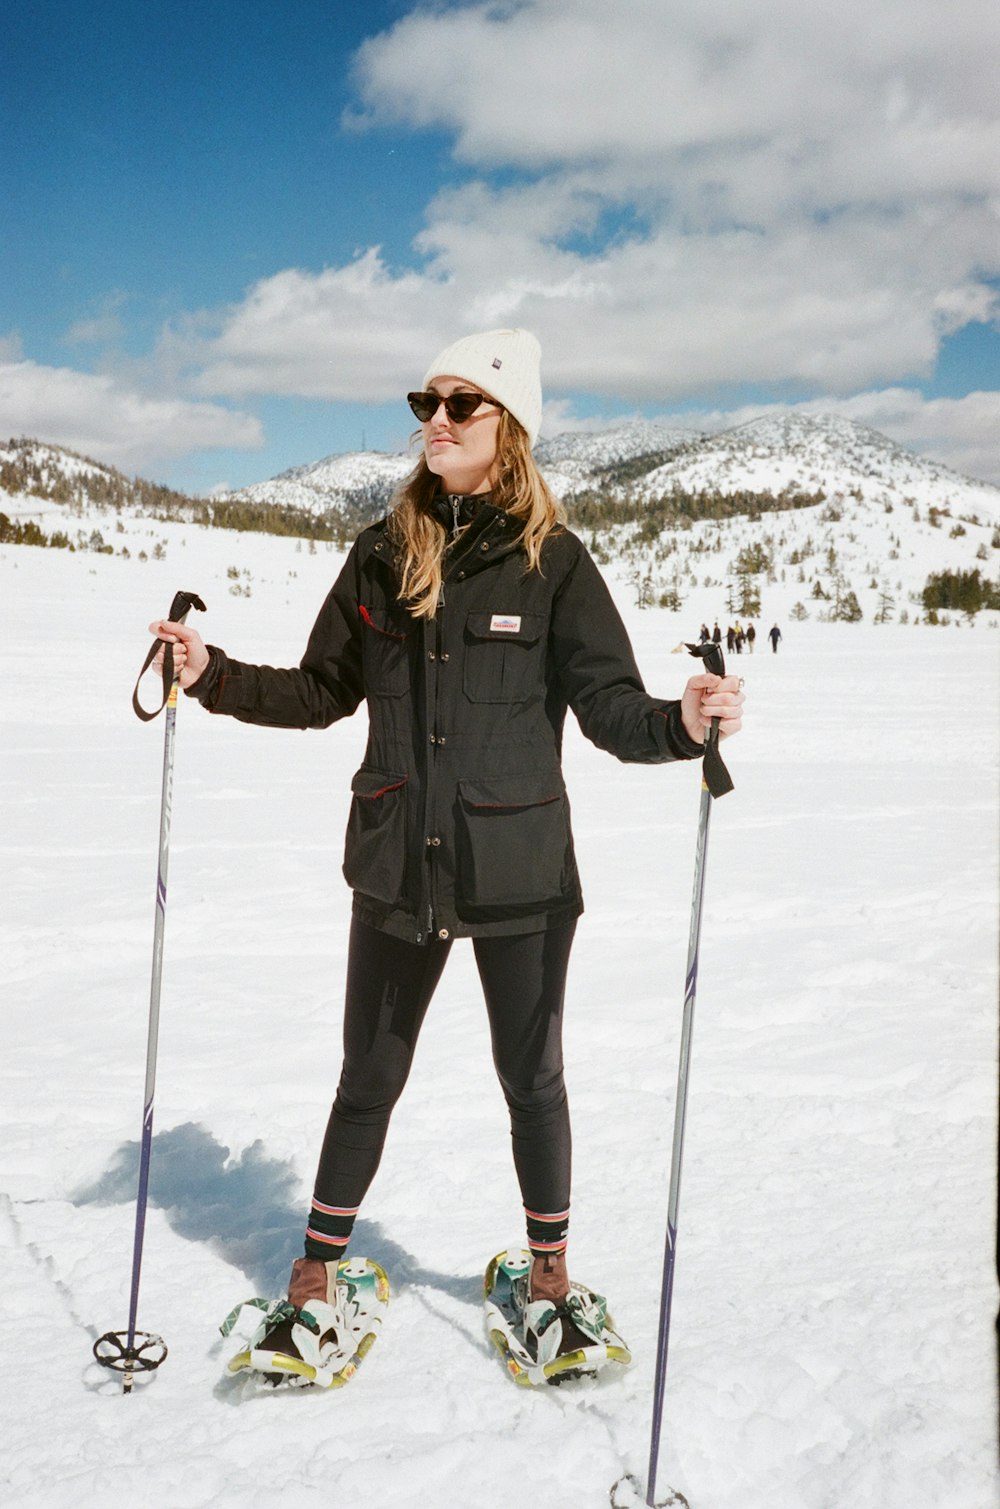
<point x="233" y="234"/>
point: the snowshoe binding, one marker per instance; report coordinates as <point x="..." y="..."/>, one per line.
<point x="321" y="1341"/>
<point x="542" y="1340"/>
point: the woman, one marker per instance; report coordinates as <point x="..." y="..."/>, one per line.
<point x="470" y="619"/>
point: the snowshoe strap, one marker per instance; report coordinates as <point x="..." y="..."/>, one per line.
<point x="275" y="1311"/>
<point x="255" y="1304"/>
<point x="180" y="607"/>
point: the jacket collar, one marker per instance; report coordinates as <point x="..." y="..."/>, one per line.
<point x="455" y="510"/>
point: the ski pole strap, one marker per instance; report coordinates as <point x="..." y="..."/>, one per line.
<point x="717" y="777"/>
<point x="180" y="607"/>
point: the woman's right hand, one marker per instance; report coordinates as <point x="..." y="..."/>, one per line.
<point x="190" y="654"/>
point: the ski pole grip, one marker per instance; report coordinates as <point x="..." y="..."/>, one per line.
<point x="717" y="777"/>
<point x="179" y="609"/>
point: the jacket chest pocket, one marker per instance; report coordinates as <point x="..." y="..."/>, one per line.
<point x="503" y="656"/>
<point x="384" y="650"/>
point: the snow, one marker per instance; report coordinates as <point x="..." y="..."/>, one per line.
<point x="328" y="484"/>
<point x="832" y="1338"/>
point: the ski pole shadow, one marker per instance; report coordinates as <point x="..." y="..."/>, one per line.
<point x="250" y="1210"/>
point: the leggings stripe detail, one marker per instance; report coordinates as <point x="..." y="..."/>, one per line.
<point x="547" y="1231"/>
<point x="329" y="1229"/>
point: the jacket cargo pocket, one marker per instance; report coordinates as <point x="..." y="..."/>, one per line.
<point x="384" y="640"/>
<point x="503" y="656"/>
<point x="375" y="847"/>
<point x="514" y="850"/>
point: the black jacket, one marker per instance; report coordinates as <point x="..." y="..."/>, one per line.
<point x="459" y="824"/>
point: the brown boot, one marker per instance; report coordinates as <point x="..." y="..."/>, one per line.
<point x="549" y="1281"/>
<point x="311" y="1278"/>
<point x="548" y="1278"/>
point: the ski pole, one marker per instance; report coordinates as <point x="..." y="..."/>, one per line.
<point x="715" y="782"/>
<point x="131" y="1351"/>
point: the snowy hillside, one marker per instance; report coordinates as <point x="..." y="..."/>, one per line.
<point x="832" y="1342"/>
<point x="885" y="520"/>
<point x="335" y="483"/>
<point x="570" y="461"/>
<point x="823" y="452"/>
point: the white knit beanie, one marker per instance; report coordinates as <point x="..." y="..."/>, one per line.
<point x="503" y="363"/>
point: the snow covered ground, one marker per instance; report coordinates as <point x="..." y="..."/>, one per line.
<point x="833" y="1340"/>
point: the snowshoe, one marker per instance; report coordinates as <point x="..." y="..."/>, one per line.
<point x="545" y="1341"/>
<point x="322" y="1342"/>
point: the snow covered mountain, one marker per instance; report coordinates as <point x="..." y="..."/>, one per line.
<point x="816" y="453"/>
<point x="647" y="459"/>
<point x="573" y="459"/>
<point x="351" y="482"/>
<point x="815" y="514"/>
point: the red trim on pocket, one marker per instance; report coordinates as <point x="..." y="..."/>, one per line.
<point x="389" y="633"/>
<point x="541" y="801"/>
<point x="372" y="796"/>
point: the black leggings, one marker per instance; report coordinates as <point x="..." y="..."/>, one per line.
<point x="390" y="983"/>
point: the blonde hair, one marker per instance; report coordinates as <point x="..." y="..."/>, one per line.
<point x="421" y="541"/>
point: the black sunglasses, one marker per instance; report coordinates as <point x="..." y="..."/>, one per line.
<point x="458" y="406"/>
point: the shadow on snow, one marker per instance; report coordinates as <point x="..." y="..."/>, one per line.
<point x="250" y="1210"/>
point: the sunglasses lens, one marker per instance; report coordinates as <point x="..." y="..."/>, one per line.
<point x="423" y="405"/>
<point x="459" y="406"/>
<point x="462" y="406"/>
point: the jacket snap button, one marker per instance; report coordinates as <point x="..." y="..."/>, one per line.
<point x="443" y="932"/>
<point x="445" y="657"/>
<point x="431" y="655"/>
<point x="485" y="545"/>
<point x="435" y="843"/>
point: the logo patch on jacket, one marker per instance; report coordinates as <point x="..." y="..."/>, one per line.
<point x="505" y="623"/>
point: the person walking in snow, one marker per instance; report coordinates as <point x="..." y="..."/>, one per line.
<point x="774" y="635"/>
<point x="470" y="620"/>
<point x="703" y="634"/>
<point x="716" y="633"/>
<point x="751" y="637"/>
<point x="730" y="639"/>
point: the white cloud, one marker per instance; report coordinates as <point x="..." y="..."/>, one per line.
<point x="677" y="195"/>
<point x="101" y="418"/>
<point x="103" y="326"/>
<point x="704" y="195"/>
<point x="690" y="95"/>
<point x="350" y="333"/>
<point x="652" y="319"/>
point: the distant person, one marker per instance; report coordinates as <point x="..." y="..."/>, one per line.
<point x="716" y="633"/>
<point x="738" y="638"/>
<point x="730" y="639"/>
<point x="703" y="634"/>
<point x="774" y="636"/>
<point x="751" y="636"/>
<point x="470" y="620"/>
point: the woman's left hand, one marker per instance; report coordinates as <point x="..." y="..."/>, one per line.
<point x="706" y="697"/>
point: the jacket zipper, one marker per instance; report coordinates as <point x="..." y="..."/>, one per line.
<point x="431" y="783"/>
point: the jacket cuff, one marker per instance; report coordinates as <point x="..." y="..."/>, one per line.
<point x="675" y="736"/>
<point x="211" y="684"/>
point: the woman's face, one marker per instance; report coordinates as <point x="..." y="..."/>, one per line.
<point x="462" y="455"/>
